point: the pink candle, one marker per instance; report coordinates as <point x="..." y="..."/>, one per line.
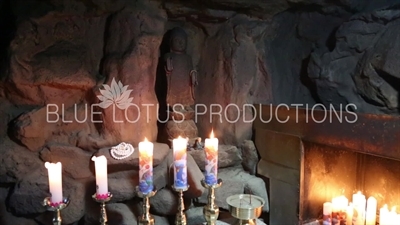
<point x="146" y="166"/>
<point x="211" y="150"/>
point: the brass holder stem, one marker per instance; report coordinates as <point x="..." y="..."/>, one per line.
<point x="180" y="218"/>
<point x="211" y="210"/>
<point x="57" y="219"/>
<point x="146" y="218"/>
<point x="103" y="213"/>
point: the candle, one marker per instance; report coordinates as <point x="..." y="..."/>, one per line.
<point x="392" y="217"/>
<point x="383" y="215"/>
<point x="339" y="205"/>
<point x="211" y="150"/>
<point x="180" y="163"/>
<point x="100" y="164"/>
<point x="359" y="203"/>
<point x="146" y="166"/>
<point x="349" y="214"/>
<point x="370" y="216"/>
<point x="327" y="211"/>
<point x="55" y="182"/>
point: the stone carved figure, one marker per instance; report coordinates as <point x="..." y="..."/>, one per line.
<point x="181" y="76"/>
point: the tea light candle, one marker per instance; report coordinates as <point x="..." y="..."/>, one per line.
<point x="211" y="152"/>
<point x="55" y="182"/>
<point x="146" y="166"/>
<point x="100" y="164"/>
<point x="180" y="163"/>
<point x="370" y="216"/>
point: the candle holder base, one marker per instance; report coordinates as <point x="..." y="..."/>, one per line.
<point x="211" y="210"/>
<point x="56" y="208"/>
<point x="146" y="218"/>
<point x="180" y="218"/>
<point x="103" y="200"/>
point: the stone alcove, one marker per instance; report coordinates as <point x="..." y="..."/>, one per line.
<point x="246" y="52"/>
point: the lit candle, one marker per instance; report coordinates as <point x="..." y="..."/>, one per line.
<point x="180" y="163"/>
<point x="392" y="217"/>
<point x="146" y="166"/>
<point x="55" y="182"/>
<point x="370" y="216"/>
<point x="100" y="164"/>
<point x="359" y="203"/>
<point x="339" y="205"/>
<point x="383" y="215"/>
<point x="327" y="211"/>
<point x="211" y="150"/>
<point x="349" y="214"/>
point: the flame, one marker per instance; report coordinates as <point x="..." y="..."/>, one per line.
<point x="212" y="133"/>
<point x="394" y="209"/>
<point x="145" y="139"/>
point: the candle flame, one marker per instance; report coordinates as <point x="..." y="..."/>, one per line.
<point x="212" y="133"/>
<point x="145" y="139"/>
<point x="359" y="192"/>
<point x="385" y="206"/>
<point x="394" y="209"/>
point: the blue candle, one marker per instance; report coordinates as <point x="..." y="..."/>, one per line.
<point x="180" y="163"/>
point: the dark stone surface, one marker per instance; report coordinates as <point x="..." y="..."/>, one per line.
<point x="228" y="155"/>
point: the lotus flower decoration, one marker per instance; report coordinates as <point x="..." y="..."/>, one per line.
<point x="116" y="94"/>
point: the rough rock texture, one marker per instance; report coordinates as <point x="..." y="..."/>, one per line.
<point x="232" y="76"/>
<point x="250" y="156"/>
<point x="228" y="156"/>
<point x="131" y="57"/>
<point x="362" y="69"/>
<point x="75" y="161"/>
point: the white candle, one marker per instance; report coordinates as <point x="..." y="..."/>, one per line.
<point x="100" y="164"/>
<point x="359" y="203"/>
<point x="211" y="152"/>
<point x="392" y="217"/>
<point x="383" y="215"/>
<point x="327" y="211"/>
<point x="180" y="163"/>
<point x="370" y="216"/>
<point x="146" y="166"/>
<point x="349" y="214"/>
<point x="55" y="182"/>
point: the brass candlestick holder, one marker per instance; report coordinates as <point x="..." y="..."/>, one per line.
<point x="146" y="218"/>
<point x="180" y="218"/>
<point x="103" y="200"/>
<point x="56" y="208"/>
<point x="211" y="210"/>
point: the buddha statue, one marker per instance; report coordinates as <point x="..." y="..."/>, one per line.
<point x="181" y="76"/>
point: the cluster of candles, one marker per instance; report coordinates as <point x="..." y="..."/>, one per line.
<point x="358" y="212"/>
<point x="145" y="169"/>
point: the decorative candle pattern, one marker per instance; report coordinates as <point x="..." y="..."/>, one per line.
<point x="55" y="182"/>
<point x="211" y="152"/>
<point x="180" y="163"/>
<point x="100" y="164"/>
<point x="146" y="167"/>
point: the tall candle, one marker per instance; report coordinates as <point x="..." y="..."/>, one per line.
<point x="327" y="211"/>
<point x="349" y="214"/>
<point x="383" y="215"/>
<point x="370" y="216"/>
<point x="179" y="146"/>
<point x="211" y="150"/>
<point x="359" y="203"/>
<point x="392" y="217"/>
<point x="146" y="166"/>
<point x="100" y="164"/>
<point x="55" y="182"/>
